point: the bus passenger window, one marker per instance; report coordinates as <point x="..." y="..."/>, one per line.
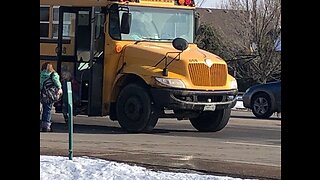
<point x="66" y="23"/>
<point x="44" y="21"/>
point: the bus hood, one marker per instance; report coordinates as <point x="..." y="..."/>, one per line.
<point x="197" y="68"/>
<point x="146" y="53"/>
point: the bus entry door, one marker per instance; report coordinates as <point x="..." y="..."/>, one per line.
<point x="77" y="25"/>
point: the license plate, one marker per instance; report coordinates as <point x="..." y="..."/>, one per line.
<point x="209" y="108"/>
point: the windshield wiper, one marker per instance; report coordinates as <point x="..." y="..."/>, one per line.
<point x="160" y="39"/>
<point x="157" y="39"/>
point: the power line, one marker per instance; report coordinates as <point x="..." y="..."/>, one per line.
<point x="201" y="2"/>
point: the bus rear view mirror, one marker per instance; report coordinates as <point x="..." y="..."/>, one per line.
<point x="125" y="23"/>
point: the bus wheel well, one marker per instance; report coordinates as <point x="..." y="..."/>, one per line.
<point x="125" y="80"/>
<point x="122" y="82"/>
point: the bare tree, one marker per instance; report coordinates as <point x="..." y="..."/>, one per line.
<point x="261" y="26"/>
<point x="200" y="2"/>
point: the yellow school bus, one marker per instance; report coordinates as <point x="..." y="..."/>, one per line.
<point x="136" y="61"/>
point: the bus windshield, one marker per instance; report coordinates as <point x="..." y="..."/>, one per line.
<point x="159" y="24"/>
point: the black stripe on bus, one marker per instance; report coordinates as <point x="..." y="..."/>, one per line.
<point x="47" y="40"/>
<point x="63" y="58"/>
<point x="49" y="58"/>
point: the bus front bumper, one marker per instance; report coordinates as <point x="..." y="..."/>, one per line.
<point x="178" y="99"/>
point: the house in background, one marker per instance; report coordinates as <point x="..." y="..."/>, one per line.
<point x="228" y="24"/>
<point x="278" y="44"/>
<point x="232" y="26"/>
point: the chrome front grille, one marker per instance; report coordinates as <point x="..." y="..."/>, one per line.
<point x="202" y="75"/>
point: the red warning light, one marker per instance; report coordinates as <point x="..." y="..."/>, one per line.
<point x="188" y="2"/>
<point x="185" y="2"/>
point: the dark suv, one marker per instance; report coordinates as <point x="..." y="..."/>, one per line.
<point x="263" y="99"/>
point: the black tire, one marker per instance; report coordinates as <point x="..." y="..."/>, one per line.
<point x="211" y="121"/>
<point x="261" y="106"/>
<point x="134" y="109"/>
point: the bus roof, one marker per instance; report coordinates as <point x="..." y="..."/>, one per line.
<point x="90" y="3"/>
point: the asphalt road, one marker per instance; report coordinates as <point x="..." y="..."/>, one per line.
<point x="247" y="147"/>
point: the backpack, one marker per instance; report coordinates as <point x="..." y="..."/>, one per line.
<point x="49" y="92"/>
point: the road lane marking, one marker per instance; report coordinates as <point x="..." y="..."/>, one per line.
<point x="252" y="144"/>
<point x="184" y="158"/>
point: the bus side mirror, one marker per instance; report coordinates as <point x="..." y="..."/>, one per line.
<point x="125" y="23"/>
<point x="180" y="44"/>
<point x="197" y="23"/>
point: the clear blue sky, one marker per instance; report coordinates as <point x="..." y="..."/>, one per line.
<point x="210" y="3"/>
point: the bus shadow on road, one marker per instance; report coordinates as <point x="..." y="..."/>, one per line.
<point x="98" y="129"/>
<point x="87" y="129"/>
<point x="254" y="118"/>
<point x="160" y="131"/>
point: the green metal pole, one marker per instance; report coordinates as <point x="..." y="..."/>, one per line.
<point x="70" y="119"/>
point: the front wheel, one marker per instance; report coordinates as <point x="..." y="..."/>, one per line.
<point x="211" y="121"/>
<point x="134" y="109"/>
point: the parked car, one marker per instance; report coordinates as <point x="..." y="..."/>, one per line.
<point x="263" y="99"/>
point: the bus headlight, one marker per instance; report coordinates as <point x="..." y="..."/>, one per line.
<point x="167" y="82"/>
<point x="234" y="84"/>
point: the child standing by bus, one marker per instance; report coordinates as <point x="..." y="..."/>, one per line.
<point x="46" y="71"/>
